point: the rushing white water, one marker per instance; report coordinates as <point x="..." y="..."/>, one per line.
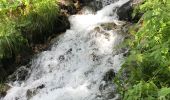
<point x="74" y="67"/>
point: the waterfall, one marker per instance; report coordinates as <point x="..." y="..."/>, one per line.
<point x="76" y="65"/>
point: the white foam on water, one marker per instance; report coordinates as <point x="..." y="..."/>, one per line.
<point x="74" y="67"/>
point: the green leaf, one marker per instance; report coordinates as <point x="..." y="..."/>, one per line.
<point x="164" y="92"/>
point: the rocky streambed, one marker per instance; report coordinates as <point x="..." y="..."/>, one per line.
<point x="82" y="62"/>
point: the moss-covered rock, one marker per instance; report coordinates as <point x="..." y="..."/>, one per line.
<point x="3" y="89"/>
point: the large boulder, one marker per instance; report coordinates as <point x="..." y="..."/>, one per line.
<point x="125" y="11"/>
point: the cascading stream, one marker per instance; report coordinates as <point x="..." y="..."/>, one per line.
<point x="74" y="67"/>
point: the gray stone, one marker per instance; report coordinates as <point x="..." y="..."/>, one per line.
<point x="125" y="11"/>
<point x="109" y="76"/>
<point x="20" y="74"/>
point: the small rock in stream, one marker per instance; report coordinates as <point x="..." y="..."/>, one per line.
<point x="107" y="87"/>
<point x="41" y="86"/>
<point x="69" y="51"/>
<point x="30" y="93"/>
<point x="61" y="58"/>
<point x="109" y="76"/>
<point x="108" y="26"/>
<point x="20" y="74"/>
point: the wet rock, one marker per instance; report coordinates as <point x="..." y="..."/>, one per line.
<point x="87" y="10"/>
<point x="9" y="65"/>
<point x="72" y="6"/>
<point x="88" y="72"/>
<point x="3" y="89"/>
<point x="79" y="49"/>
<point x="126" y="52"/>
<point x="107" y="88"/>
<point x="125" y="11"/>
<point x="68" y="9"/>
<point x="20" y="74"/>
<point x="97" y="29"/>
<point x="61" y="58"/>
<point x="30" y="93"/>
<point x="107" y="79"/>
<point x="92" y="4"/>
<point x="95" y="57"/>
<point x="108" y="26"/>
<point x="117" y="25"/>
<point x="41" y="86"/>
<point x="109" y="76"/>
<point x="69" y="51"/>
<point x="107" y="2"/>
<point x="111" y="95"/>
<point x="97" y="5"/>
<point x="107" y="91"/>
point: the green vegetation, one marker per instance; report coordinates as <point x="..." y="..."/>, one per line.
<point x="3" y="89"/>
<point x="22" y="21"/>
<point x="11" y="41"/>
<point x="39" y="19"/>
<point x="147" y="67"/>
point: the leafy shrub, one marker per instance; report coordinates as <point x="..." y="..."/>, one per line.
<point x="147" y="91"/>
<point x="149" y="58"/>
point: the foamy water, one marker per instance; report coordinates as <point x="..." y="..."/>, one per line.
<point x="74" y="67"/>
